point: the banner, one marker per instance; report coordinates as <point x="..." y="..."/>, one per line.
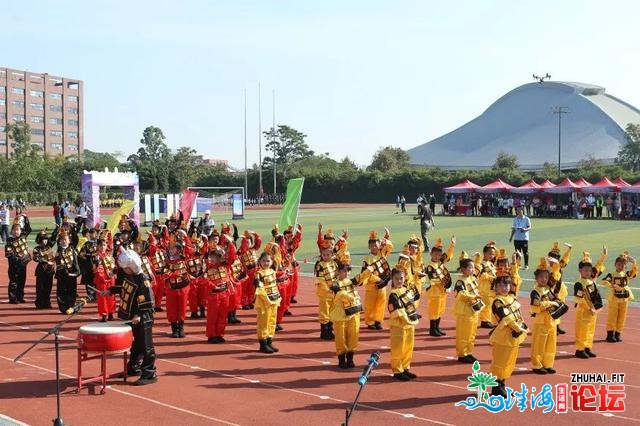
<point x="114" y="219"/>
<point x="187" y="201"/>
<point x="289" y="213"/>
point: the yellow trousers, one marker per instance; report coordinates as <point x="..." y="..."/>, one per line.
<point x="543" y="345"/>
<point x="347" y="333"/>
<point x="375" y="302"/>
<point x="503" y="360"/>
<point x="466" y="327"/>
<point x="266" y="321"/>
<point x="402" y="340"/>
<point x="617" y="314"/>
<point x="437" y="306"/>
<point x="585" y="328"/>
<point x="324" y="307"/>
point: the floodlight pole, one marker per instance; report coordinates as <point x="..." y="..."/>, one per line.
<point x="273" y="140"/>
<point x="259" y="147"/>
<point x="246" y="173"/>
<point x="560" y="110"/>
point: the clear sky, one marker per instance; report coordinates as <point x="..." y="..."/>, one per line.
<point x="352" y="75"/>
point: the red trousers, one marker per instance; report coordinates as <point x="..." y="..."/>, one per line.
<point x="293" y="282"/>
<point x="217" y="310"/>
<point x="159" y="290"/>
<point x="177" y="304"/>
<point x="106" y="304"/>
<point x="248" y="288"/>
<point x="197" y="294"/>
<point x="235" y="295"/>
<point x="284" y="288"/>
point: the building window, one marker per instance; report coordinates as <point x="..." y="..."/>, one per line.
<point x="37" y="106"/>
<point x="2" y="102"/>
<point x="55" y="95"/>
<point x="72" y="147"/>
<point x="72" y="98"/>
<point x="40" y="145"/>
<point x="3" y="142"/>
<point x="57" y="133"/>
<point x="37" y="119"/>
<point x="56" y="146"/>
<point x="2" y="129"/>
<point x="18" y="117"/>
<point x="37" y="93"/>
<point x="3" y="115"/>
<point x="73" y="110"/>
<point x="55" y="108"/>
<point x="17" y="90"/>
<point x="37" y="132"/>
<point x="17" y="104"/>
<point x="2" y="89"/>
<point x="72" y="135"/>
<point x="73" y="123"/>
<point x="56" y="121"/>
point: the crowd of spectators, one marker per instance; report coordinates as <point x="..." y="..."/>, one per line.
<point x="582" y="206"/>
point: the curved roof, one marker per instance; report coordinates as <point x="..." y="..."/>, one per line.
<point x="523" y="123"/>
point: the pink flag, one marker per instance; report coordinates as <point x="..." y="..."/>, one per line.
<point x="187" y="201"/>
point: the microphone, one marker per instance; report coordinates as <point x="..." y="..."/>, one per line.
<point x="77" y="307"/>
<point x="371" y="362"/>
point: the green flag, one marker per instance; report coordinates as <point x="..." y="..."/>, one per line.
<point x="289" y="213"/>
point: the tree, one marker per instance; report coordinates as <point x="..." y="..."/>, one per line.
<point x="99" y="161"/>
<point x="505" y="161"/>
<point x="20" y="133"/>
<point x="152" y="161"/>
<point x="389" y="159"/>
<point x="549" y="171"/>
<point x="186" y="168"/>
<point x="287" y="144"/>
<point x="629" y="155"/>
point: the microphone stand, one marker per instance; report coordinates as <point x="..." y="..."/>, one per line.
<point x="55" y="331"/>
<point x="361" y="381"/>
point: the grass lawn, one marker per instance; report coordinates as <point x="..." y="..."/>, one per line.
<point x="471" y="233"/>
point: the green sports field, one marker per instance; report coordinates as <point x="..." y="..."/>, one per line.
<point x="471" y="233"/>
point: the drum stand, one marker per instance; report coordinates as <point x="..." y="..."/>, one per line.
<point x="55" y="331"/>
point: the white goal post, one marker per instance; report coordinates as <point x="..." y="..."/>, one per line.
<point x="220" y="199"/>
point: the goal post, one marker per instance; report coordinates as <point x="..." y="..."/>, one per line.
<point x="219" y="199"/>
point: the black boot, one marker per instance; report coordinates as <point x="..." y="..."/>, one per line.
<point x="442" y="333"/>
<point x="342" y="361"/>
<point x="174" y="329"/>
<point x="324" y="332"/>
<point x="433" y="331"/>
<point x="270" y="344"/>
<point x="330" y="331"/>
<point x="610" y="337"/>
<point x="350" y="362"/>
<point x="203" y="313"/>
<point x="264" y="348"/>
<point x="231" y="318"/>
<point x="617" y="336"/>
<point x="499" y="390"/>
<point x="194" y="315"/>
<point x="588" y="352"/>
<point x="181" y="329"/>
<point x="559" y="330"/>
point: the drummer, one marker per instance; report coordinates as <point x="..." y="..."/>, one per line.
<point x="136" y="306"/>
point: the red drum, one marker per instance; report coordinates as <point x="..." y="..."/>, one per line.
<point x="104" y="337"/>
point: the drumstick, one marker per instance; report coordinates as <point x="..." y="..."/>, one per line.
<point x="90" y="287"/>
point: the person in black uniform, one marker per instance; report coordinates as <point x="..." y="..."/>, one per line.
<point x="136" y="306"/>
<point x="44" y="255"/>
<point x="18" y="255"/>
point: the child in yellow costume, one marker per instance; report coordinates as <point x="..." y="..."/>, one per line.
<point x="266" y="303"/>
<point x="502" y="262"/>
<point x="402" y="325"/>
<point x="588" y="304"/>
<point x="345" y="315"/>
<point x="440" y="282"/>
<point x="620" y="295"/>
<point x="466" y="309"/>
<point x="544" y="306"/>
<point x="485" y="279"/>
<point x="375" y="275"/>
<point x="410" y="261"/>
<point x="555" y="278"/>
<point x="507" y="336"/>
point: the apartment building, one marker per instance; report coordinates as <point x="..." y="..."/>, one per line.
<point x="52" y="106"/>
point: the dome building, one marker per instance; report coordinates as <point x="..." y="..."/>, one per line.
<point x="523" y="123"/>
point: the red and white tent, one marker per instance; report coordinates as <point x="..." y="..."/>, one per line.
<point x="564" y="187"/>
<point x="603" y="185"/>
<point x="632" y="189"/>
<point x="547" y="184"/>
<point x="621" y="183"/>
<point x="497" y="185"/>
<point x="583" y="183"/>
<point x="463" y="187"/>
<point x="530" y="187"/>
